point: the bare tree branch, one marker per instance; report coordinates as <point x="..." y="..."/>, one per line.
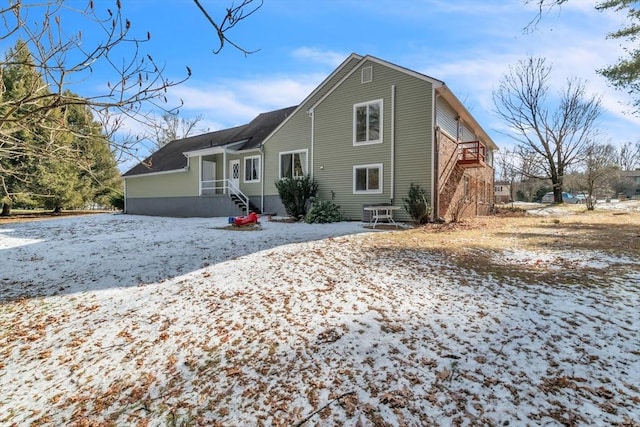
<point x="232" y="17"/>
<point x="555" y="138"/>
<point x="544" y="7"/>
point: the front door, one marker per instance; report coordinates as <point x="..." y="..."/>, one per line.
<point x="234" y="173"/>
<point x="208" y="177"/>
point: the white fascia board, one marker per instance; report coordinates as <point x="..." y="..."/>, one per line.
<point x="214" y="150"/>
<point x="142" y="175"/>
<point x="204" y="152"/>
<point x="250" y="150"/>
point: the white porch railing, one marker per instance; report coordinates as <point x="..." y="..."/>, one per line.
<point x="224" y="186"/>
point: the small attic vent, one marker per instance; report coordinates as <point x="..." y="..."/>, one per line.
<point x="367" y="74"/>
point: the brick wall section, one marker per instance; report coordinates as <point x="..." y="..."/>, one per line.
<point x="452" y="180"/>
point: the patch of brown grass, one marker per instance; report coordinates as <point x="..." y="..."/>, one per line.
<point x="39" y="215"/>
<point x="476" y="243"/>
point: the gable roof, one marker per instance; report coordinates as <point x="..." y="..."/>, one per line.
<point x="353" y="63"/>
<point x="345" y="67"/>
<point x="173" y="156"/>
<point x="368" y="58"/>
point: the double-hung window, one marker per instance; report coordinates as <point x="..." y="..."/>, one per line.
<point x="367" y="123"/>
<point x="367" y="179"/>
<point x="252" y="169"/>
<point x="293" y="164"/>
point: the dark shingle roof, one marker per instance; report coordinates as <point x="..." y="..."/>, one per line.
<point x="170" y="157"/>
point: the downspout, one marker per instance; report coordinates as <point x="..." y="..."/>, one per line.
<point x="125" y="195"/>
<point x="313" y="126"/>
<point x="224" y="169"/>
<point x="393" y="143"/>
<point x="201" y="176"/>
<point x="262" y="168"/>
<point x="435" y="160"/>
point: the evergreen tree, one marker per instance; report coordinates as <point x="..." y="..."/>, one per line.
<point x="18" y="147"/>
<point x="62" y="159"/>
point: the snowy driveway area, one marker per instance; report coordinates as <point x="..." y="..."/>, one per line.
<point x="130" y="320"/>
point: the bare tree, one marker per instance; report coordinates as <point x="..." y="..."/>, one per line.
<point x="170" y="126"/>
<point x="599" y="168"/>
<point x="555" y="137"/>
<point x="62" y="58"/>
<point x="50" y="44"/>
<point x="510" y="167"/>
<point x="629" y="156"/>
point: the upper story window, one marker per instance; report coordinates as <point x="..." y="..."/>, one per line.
<point x="293" y="164"/>
<point x="367" y="123"/>
<point x="252" y="169"/>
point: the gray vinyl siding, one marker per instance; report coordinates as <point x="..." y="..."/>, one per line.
<point x="335" y="154"/>
<point x="295" y="134"/>
<point x="446" y="119"/>
<point x="414" y="139"/>
<point x="175" y="184"/>
<point x="468" y="134"/>
<point x="251" y="188"/>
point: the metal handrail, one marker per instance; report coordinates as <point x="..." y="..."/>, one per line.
<point x="226" y="187"/>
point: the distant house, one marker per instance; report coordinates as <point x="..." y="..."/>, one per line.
<point x="502" y="192"/>
<point x="631" y="180"/>
<point x="365" y="134"/>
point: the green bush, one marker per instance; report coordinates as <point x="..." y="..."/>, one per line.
<point x="296" y="194"/>
<point x="417" y="205"/>
<point x="324" y="212"/>
<point x="117" y="201"/>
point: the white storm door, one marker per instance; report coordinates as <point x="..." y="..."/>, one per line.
<point x="234" y="173"/>
<point x="208" y="177"/>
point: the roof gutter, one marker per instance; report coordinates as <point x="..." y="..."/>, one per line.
<point x="142" y="175"/>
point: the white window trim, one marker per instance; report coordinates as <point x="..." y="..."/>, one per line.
<point x="306" y="160"/>
<point x="370" y="166"/>
<point x="361" y="104"/>
<point x="244" y="163"/>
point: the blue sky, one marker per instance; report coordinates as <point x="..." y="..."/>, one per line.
<point x="468" y="44"/>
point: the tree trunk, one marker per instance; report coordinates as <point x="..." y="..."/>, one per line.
<point x="57" y="210"/>
<point x="6" y="209"/>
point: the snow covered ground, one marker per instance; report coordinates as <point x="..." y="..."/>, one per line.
<point x="129" y="320"/>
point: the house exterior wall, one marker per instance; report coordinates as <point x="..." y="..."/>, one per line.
<point x="446" y="118"/>
<point x="462" y="192"/>
<point x="502" y="192"/>
<point x="174" y="184"/>
<point x="631" y="180"/>
<point x="250" y="188"/>
<point x="335" y="154"/>
<point x="184" y="207"/>
<point x="294" y="135"/>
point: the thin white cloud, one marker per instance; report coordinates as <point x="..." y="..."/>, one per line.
<point x="330" y="58"/>
<point x="234" y="102"/>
